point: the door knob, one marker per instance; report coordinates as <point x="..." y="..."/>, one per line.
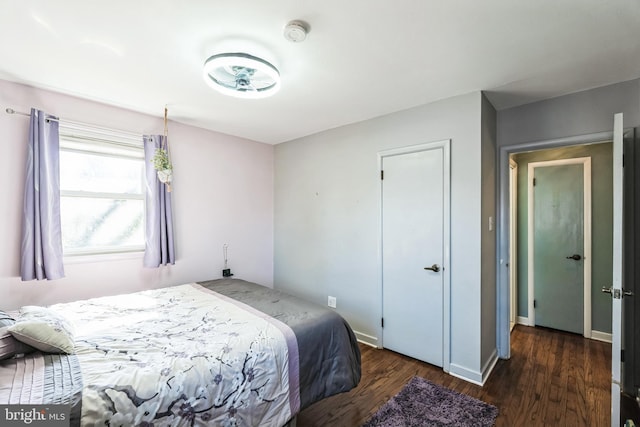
<point x="617" y="293"/>
<point x="575" y="257"/>
<point x="434" y="267"/>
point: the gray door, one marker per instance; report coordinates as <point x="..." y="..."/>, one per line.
<point x="559" y="247"/>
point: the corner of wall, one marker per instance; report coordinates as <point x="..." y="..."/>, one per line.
<point x="369" y="340"/>
<point x="472" y="376"/>
<point x="488" y="223"/>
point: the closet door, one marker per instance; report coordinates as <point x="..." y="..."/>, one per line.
<point x="414" y="239"/>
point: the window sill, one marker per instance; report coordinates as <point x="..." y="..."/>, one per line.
<point x="95" y="258"/>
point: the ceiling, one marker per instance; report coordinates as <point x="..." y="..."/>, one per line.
<point x="361" y="59"/>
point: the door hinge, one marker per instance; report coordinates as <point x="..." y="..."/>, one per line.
<point x="622" y="355"/>
<point x="381" y="174"/>
<point x="534" y="303"/>
<point x="382" y="322"/>
<point x="534" y="182"/>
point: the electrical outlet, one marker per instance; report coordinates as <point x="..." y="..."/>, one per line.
<point x="331" y="302"/>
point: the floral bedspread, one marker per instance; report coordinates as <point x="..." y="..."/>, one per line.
<point x="182" y="356"/>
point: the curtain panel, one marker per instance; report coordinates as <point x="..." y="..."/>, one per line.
<point x="159" y="249"/>
<point x="41" y="257"/>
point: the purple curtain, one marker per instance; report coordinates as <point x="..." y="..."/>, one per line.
<point x="41" y="231"/>
<point x="159" y="225"/>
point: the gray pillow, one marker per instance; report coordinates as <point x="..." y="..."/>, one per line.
<point x="9" y="346"/>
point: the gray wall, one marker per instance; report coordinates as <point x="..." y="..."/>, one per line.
<point x="580" y="113"/>
<point x="488" y="132"/>
<point x="602" y="225"/>
<point x="575" y="115"/>
<point x="327" y="203"/>
<point x="327" y="221"/>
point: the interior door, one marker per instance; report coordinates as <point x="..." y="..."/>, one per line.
<point x="630" y="278"/>
<point x="413" y="227"/>
<point x="558" y="235"/>
<point x="616" y="289"/>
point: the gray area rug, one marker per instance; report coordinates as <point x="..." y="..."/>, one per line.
<point x="423" y="404"/>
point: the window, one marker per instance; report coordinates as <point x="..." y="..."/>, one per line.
<point x="101" y="192"/>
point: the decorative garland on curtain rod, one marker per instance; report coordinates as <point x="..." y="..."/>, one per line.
<point x="162" y="158"/>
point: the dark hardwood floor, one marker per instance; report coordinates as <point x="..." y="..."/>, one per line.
<point x="552" y="379"/>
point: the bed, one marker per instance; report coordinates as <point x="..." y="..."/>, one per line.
<point x="223" y="352"/>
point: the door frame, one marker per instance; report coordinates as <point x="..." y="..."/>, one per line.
<point x="586" y="250"/>
<point x="617" y="307"/>
<point x="503" y="339"/>
<point x="445" y="146"/>
<point x="513" y="243"/>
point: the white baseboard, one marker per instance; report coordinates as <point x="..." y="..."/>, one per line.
<point x="466" y="374"/>
<point x="489" y="365"/>
<point x="366" y="339"/>
<point x="595" y="335"/>
<point x="478" y="378"/>
<point x="601" y="336"/>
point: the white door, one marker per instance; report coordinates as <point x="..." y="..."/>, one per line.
<point x="616" y="290"/>
<point x="414" y="219"/>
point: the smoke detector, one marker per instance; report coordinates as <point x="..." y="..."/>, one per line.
<point x="296" y="31"/>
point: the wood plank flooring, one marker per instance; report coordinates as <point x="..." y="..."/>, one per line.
<point x="552" y="379"/>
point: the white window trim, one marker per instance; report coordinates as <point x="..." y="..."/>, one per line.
<point x="87" y="136"/>
<point x="102" y="257"/>
<point x="102" y="195"/>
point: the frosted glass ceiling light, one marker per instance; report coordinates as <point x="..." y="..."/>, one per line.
<point x="241" y="75"/>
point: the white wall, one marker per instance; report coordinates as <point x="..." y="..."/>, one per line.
<point x="327" y="221"/>
<point x="223" y="193"/>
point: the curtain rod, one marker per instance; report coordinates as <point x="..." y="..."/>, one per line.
<point x="72" y="123"/>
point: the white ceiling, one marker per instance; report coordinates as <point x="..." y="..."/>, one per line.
<point x="361" y="59"/>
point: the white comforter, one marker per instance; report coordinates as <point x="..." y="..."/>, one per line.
<point x="182" y="356"/>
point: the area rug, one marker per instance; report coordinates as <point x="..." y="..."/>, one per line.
<point x="424" y="404"/>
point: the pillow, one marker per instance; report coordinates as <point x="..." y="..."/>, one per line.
<point x="9" y="346"/>
<point x="5" y="319"/>
<point x="43" y="329"/>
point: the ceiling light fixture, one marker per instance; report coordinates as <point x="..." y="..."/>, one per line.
<point x="241" y="75"/>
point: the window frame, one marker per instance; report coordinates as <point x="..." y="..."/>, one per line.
<point x="72" y="139"/>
